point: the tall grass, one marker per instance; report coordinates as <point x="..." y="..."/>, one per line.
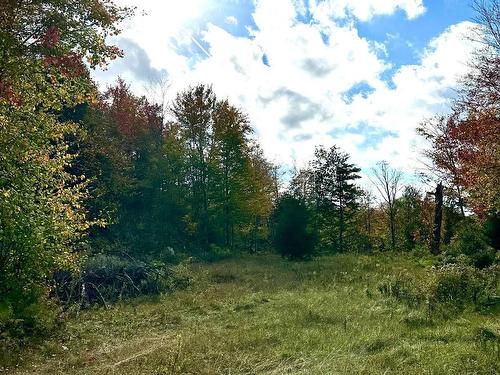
<point x="264" y="315"/>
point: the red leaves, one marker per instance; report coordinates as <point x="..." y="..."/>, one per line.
<point x="466" y="152"/>
<point x="51" y="38"/>
<point x="134" y="116"/>
<point x="478" y="158"/>
<point x="69" y="65"/>
<point x="8" y="95"/>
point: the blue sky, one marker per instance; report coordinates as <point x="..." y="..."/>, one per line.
<point x="361" y="74"/>
<point x="404" y="39"/>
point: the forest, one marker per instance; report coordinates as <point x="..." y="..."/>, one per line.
<point x="149" y="237"/>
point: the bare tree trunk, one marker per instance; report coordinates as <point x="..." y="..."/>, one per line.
<point x="388" y="184"/>
<point x="460" y="201"/>
<point x="438" y="219"/>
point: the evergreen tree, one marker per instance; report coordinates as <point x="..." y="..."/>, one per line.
<point x="293" y="237"/>
<point x="335" y="192"/>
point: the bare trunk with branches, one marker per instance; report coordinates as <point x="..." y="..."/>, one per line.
<point x="388" y="183"/>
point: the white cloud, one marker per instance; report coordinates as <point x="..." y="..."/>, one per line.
<point x="157" y="24"/>
<point x="231" y="20"/>
<point x="419" y="92"/>
<point x="365" y="10"/>
<point x="299" y="100"/>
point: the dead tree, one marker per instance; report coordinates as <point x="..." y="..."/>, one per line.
<point x="438" y="219"/>
<point x="388" y="183"/>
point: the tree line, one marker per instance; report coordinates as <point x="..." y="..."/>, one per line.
<point x="84" y="172"/>
<point x="462" y="165"/>
<point x="189" y="183"/>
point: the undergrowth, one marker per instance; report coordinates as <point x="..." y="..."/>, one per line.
<point x="266" y="315"/>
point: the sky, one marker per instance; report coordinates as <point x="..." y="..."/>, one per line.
<point x="360" y="74"/>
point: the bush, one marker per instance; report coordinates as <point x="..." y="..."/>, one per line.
<point x="105" y="279"/>
<point x="293" y="237"/>
<point x="459" y="286"/>
<point x="470" y="246"/>
<point x="33" y="319"/>
<point x="448" y="288"/>
<point x="25" y="323"/>
<point x="405" y="288"/>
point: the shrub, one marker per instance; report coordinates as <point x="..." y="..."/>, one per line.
<point x="405" y="288"/>
<point x="460" y="286"/>
<point x="216" y="253"/>
<point x="470" y="246"/>
<point x="293" y="237"/>
<point x="31" y="314"/>
<point x="21" y="324"/>
<point x="106" y="279"/>
<point x="448" y="288"/>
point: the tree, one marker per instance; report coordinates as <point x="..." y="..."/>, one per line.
<point x="365" y="220"/>
<point x="328" y="186"/>
<point x="42" y="217"/>
<point x="409" y="212"/>
<point x="128" y="168"/>
<point x="480" y="91"/>
<point x="193" y="111"/>
<point x="293" y="237"/>
<point x="229" y="181"/>
<point x="258" y="197"/>
<point x="478" y="157"/>
<point x="438" y="219"/>
<point x="478" y="107"/>
<point x="443" y="156"/>
<point x="388" y="183"/>
<point x="229" y="155"/>
<point x="464" y="147"/>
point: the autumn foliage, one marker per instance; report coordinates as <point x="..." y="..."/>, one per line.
<point x="465" y="145"/>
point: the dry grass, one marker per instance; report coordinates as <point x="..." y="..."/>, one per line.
<point x="264" y="315"/>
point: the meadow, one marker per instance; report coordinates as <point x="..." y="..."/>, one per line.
<point x="261" y="314"/>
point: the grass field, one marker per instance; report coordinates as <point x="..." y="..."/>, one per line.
<point x="264" y="315"/>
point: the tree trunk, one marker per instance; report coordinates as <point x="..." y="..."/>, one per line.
<point x="341" y="231"/>
<point x="460" y="201"/>
<point x="438" y="219"/>
<point x="392" y="219"/>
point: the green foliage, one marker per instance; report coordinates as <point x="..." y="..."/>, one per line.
<point x="446" y="289"/>
<point x="196" y="183"/>
<point x="191" y="183"/>
<point x="327" y="187"/>
<point x="460" y="286"/>
<point x="411" y="227"/>
<point x="42" y="216"/>
<point x="57" y="30"/>
<point x="227" y="180"/>
<point x="31" y="319"/>
<point x="134" y="168"/>
<point x="406" y="288"/>
<point x="293" y="237"/>
<point x="492" y="229"/>
<point x="470" y="246"/>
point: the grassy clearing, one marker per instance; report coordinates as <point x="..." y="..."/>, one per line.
<point x="264" y="315"/>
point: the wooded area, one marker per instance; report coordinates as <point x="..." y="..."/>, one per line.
<point x="102" y="193"/>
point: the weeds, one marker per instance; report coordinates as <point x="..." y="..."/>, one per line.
<point x="265" y="315"/>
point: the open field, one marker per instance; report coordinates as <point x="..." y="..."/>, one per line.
<point x="264" y="315"/>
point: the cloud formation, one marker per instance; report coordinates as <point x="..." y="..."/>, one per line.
<point x="317" y="82"/>
<point x="365" y="10"/>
